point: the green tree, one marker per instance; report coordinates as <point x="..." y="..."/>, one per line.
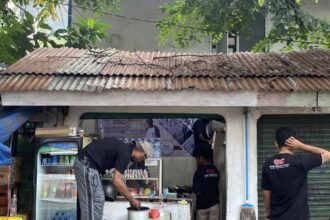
<point x="22" y="34"/>
<point x="189" y="21"/>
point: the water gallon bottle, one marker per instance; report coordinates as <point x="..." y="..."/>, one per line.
<point x="157" y="150"/>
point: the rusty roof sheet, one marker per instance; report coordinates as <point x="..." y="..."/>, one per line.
<point x="99" y="84"/>
<point x="69" y="69"/>
<point x="111" y="62"/>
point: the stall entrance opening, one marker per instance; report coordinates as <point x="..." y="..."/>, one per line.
<point x="173" y="137"/>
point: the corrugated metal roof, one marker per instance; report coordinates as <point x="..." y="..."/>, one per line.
<point x="69" y="69"/>
<point x="99" y="84"/>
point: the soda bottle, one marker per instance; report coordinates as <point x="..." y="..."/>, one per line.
<point x="61" y="160"/>
<point x="62" y="190"/>
<point x="44" y="160"/>
<point x="45" y="190"/>
<point x="67" y="160"/>
<point x="52" y="193"/>
<point x="55" y="159"/>
<point x="68" y="189"/>
<point x="74" y="191"/>
<point x="72" y="158"/>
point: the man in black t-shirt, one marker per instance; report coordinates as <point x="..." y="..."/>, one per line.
<point x="97" y="158"/>
<point x="284" y="177"/>
<point x="205" y="185"/>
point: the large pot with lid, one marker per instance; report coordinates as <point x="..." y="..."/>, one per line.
<point x="138" y="214"/>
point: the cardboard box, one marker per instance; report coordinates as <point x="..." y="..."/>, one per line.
<point x="55" y="132"/>
<point x="25" y="214"/>
<point x="11" y="218"/>
<point x="4" y="202"/>
<point x="11" y="173"/>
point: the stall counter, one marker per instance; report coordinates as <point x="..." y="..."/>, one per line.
<point x="118" y="210"/>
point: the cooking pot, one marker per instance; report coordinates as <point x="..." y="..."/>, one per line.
<point x="110" y="191"/>
<point x="138" y="214"/>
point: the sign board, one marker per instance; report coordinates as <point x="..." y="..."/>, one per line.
<point x="175" y="134"/>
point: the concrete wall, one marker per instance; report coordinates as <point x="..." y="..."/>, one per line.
<point x="320" y="10"/>
<point x="134" y="35"/>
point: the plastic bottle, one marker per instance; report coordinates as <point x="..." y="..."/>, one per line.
<point x="62" y="190"/>
<point x="67" y="160"/>
<point x="45" y="189"/>
<point x="13" y="207"/>
<point x="52" y="190"/>
<point x="61" y="159"/>
<point x="157" y="150"/>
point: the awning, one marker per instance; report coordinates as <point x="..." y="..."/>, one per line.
<point x="10" y="121"/>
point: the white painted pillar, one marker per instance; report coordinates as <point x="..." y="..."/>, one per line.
<point x="235" y="162"/>
<point x="253" y="163"/>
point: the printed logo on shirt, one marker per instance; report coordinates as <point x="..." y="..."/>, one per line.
<point x="279" y="164"/>
<point x="211" y="173"/>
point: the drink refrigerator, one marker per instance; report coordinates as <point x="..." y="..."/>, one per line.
<point x="54" y="182"/>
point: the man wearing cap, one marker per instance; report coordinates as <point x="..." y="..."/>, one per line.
<point x="97" y="158"/>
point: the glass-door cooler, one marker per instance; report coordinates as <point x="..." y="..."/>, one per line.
<point x="55" y="184"/>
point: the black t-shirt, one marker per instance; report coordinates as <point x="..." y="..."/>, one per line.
<point x="285" y="175"/>
<point x="205" y="186"/>
<point x="199" y="127"/>
<point x="108" y="153"/>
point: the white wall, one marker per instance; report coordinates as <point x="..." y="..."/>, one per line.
<point x="320" y="10"/>
<point x="133" y="35"/>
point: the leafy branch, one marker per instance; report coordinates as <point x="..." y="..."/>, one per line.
<point x="22" y="34"/>
<point x="189" y="21"/>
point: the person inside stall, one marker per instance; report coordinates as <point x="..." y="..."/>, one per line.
<point x="202" y="133"/>
<point x="96" y="159"/>
<point x="206" y="185"/>
<point x="152" y="131"/>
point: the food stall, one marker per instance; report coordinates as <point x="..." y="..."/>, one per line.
<point x="168" y="197"/>
<point x="162" y="182"/>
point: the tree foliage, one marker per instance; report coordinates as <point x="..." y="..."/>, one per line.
<point x="189" y="21"/>
<point x="85" y="32"/>
<point x="24" y="33"/>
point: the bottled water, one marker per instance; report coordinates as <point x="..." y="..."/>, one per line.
<point x="13" y="207"/>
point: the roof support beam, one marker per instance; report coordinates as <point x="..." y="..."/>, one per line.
<point x="195" y="98"/>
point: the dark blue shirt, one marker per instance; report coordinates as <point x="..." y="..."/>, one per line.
<point x="206" y="186"/>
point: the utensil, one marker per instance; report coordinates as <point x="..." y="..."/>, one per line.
<point x="138" y="214"/>
<point x="110" y="191"/>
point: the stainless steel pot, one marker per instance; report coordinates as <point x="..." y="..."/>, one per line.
<point x="110" y="191"/>
<point x="141" y="214"/>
